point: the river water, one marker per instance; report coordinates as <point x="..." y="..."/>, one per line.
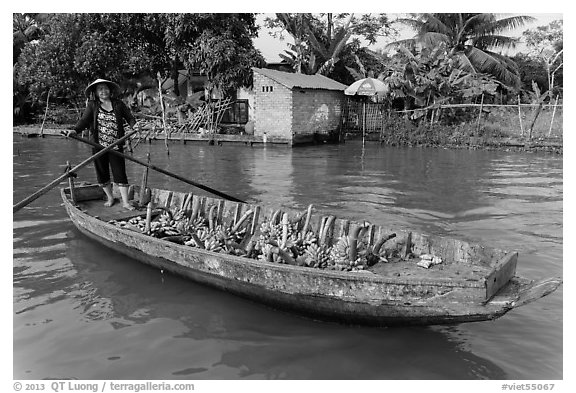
<point x="83" y="312"/>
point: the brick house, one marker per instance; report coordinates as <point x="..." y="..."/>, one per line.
<point x="296" y="108"/>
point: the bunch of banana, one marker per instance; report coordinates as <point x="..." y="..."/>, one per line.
<point x="266" y="254"/>
<point x="212" y="244"/>
<point x="166" y="219"/>
<point x="138" y="222"/>
<point x="197" y="223"/>
<point x="203" y="234"/>
<point x="227" y="234"/>
<point x="317" y="256"/>
<point x="340" y="255"/>
<point x="182" y="225"/>
<point x="178" y="214"/>
<point x="270" y="231"/>
<point x="228" y="239"/>
<point x="301" y="242"/>
<point x="155" y="229"/>
<point x="292" y="230"/>
<point x="165" y="225"/>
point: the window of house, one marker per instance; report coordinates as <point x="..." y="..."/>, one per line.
<point x="237" y="113"/>
<point x="267" y="89"/>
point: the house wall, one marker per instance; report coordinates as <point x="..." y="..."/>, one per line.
<point x="272" y="109"/>
<point x="315" y="111"/>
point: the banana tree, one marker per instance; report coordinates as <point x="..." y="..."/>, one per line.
<point x="537" y="98"/>
<point x="324" y="42"/>
<point x="430" y="78"/>
<point x="471" y="38"/>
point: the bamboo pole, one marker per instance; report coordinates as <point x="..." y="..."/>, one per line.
<point x="520" y="117"/>
<point x="45" y="113"/>
<point x="363" y="122"/>
<point x="480" y="114"/>
<point x="163" y="171"/>
<point x="163" y="112"/>
<point x="71" y="183"/>
<point x="553" y="113"/>
<point x="475" y="105"/>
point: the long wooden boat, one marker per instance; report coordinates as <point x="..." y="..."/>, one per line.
<point x="323" y="267"/>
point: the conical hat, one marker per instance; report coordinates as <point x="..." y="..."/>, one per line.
<point x="113" y="86"/>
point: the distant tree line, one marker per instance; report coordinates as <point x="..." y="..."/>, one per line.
<point x="452" y="58"/>
<point x="61" y="53"/>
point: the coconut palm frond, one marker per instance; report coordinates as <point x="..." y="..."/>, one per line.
<point x="409" y="43"/>
<point x="464" y="63"/>
<point x="432" y="39"/>
<point x="434" y="23"/>
<point x="316" y="45"/>
<point x="311" y="63"/>
<point x="406" y="52"/>
<point x="491" y="63"/>
<point x="355" y="73"/>
<point x="339" y="41"/>
<point x="476" y="22"/>
<point x="508" y="62"/>
<point x="415" y="24"/>
<point x="495" y="42"/>
<point x="511" y="23"/>
<point x="496" y="26"/>
<point x="361" y="68"/>
<point x="328" y="66"/>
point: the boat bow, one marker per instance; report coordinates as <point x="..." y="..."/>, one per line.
<point x="536" y="290"/>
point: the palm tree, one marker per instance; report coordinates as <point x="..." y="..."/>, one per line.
<point x="323" y="43"/>
<point x="26" y="28"/>
<point x="472" y="40"/>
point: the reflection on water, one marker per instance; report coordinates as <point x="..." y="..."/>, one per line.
<point x="81" y="311"/>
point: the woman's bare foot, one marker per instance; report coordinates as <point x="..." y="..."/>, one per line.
<point x="109" y="202"/>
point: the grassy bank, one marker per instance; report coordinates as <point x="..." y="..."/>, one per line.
<point x="501" y="127"/>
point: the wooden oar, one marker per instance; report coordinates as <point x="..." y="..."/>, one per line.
<point x="163" y="171"/>
<point x="57" y="181"/>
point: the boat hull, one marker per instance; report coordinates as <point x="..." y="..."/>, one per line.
<point x="347" y="297"/>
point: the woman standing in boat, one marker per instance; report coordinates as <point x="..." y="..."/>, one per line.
<point x="104" y="117"/>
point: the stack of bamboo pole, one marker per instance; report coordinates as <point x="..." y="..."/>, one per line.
<point x="208" y="116"/>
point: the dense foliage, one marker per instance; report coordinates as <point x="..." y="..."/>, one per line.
<point x="431" y="77"/>
<point x="221" y="47"/>
<point x="473" y="40"/>
<point x="67" y="51"/>
<point x="453" y="58"/>
<point x="546" y="44"/>
<point x="330" y="44"/>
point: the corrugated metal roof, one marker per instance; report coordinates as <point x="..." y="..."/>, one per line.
<point x="291" y="80"/>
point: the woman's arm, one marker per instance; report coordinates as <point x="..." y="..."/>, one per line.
<point x="85" y="120"/>
<point x="127" y="114"/>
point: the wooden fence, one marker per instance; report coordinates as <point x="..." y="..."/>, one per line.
<point x="520" y="120"/>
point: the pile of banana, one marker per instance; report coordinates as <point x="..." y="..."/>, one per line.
<point x="282" y="242"/>
<point x="277" y="240"/>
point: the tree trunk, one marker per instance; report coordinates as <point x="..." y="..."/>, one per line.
<point x="174" y="76"/>
<point x="406" y="108"/>
<point x="535" y="117"/>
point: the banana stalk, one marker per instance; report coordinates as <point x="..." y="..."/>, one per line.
<point x="307" y="222"/>
<point x="353" y="239"/>
<point x="285" y="223"/>
<point x="241" y="221"/>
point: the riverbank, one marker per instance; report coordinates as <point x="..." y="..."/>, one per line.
<point x="410" y="138"/>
